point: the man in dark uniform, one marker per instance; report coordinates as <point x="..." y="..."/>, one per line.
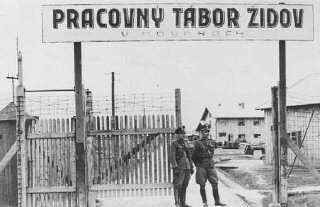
<point x="203" y="160"/>
<point x="182" y="168"/>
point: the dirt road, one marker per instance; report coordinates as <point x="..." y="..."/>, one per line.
<point x="230" y="193"/>
<point x="227" y="194"/>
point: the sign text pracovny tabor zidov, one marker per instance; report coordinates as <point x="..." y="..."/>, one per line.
<point x="168" y="22"/>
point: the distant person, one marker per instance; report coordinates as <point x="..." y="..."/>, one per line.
<point x="203" y="160"/>
<point x="195" y="137"/>
<point x="182" y="168"/>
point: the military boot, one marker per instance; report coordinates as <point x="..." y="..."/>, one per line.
<point x="176" y="197"/>
<point x="204" y="197"/>
<point x="183" y="198"/>
<point x="217" y="197"/>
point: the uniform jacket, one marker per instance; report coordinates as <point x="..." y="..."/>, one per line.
<point x="203" y="153"/>
<point x="179" y="158"/>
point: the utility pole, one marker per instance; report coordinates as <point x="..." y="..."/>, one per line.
<point x="12" y="80"/>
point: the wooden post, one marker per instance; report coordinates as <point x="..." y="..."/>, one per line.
<point x="81" y="189"/>
<point x="89" y="109"/>
<point x="22" y="169"/>
<point x="295" y="149"/>
<point x="178" y="107"/>
<point x="89" y="147"/>
<point x="276" y="145"/>
<point x="282" y="124"/>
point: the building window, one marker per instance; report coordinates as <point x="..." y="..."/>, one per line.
<point x="257" y="136"/>
<point x="296" y="137"/>
<point x="241" y="136"/>
<point x="241" y="123"/>
<point x="256" y="123"/>
<point x="223" y="123"/>
<point x="222" y="134"/>
<point x="0" y="136"/>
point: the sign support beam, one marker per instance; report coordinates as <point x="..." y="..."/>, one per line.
<point x="282" y="124"/>
<point x="81" y="189"/>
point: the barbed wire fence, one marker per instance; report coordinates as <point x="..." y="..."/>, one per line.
<point x="44" y="105"/>
<point x="49" y="106"/>
<point x="135" y="104"/>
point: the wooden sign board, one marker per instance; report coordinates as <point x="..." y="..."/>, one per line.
<point x="176" y="22"/>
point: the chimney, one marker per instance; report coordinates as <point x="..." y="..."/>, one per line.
<point x="241" y="105"/>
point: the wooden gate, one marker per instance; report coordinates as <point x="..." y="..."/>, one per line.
<point x="50" y="163"/>
<point x="132" y="160"/>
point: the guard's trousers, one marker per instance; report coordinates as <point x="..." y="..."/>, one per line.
<point x="180" y="184"/>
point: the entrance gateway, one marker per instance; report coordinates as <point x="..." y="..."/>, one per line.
<point x="148" y="22"/>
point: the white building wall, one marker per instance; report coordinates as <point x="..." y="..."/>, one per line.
<point x="268" y="137"/>
<point x="229" y="126"/>
<point x="300" y="123"/>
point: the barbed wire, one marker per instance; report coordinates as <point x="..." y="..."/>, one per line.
<point x="48" y="106"/>
<point x="134" y="104"/>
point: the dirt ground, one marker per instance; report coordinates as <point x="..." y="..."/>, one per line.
<point x="254" y="175"/>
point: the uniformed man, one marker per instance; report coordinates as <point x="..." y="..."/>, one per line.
<point x="203" y="160"/>
<point x="182" y="168"/>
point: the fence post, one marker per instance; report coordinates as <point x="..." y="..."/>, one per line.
<point x="178" y="107"/>
<point x="88" y="139"/>
<point x="21" y="141"/>
<point x="89" y="109"/>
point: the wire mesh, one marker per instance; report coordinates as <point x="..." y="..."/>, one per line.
<point x="303" y="127"/>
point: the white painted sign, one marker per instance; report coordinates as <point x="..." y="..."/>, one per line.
<point x="175" y="22"/>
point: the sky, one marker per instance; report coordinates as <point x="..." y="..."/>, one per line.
<point x="208" y="73"/>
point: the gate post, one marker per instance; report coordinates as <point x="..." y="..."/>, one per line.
<point x="81" y="188"/>
<point x="282" y="124"/>
<point x="21" y="139"/>
<point x="276" y="147"/>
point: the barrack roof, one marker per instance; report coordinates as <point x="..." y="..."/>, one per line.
<point x="303" y="93"/>
<point x="8" y="113"/>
